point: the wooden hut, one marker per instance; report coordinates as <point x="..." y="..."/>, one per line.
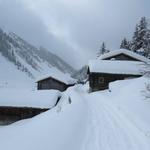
<point x="115" y="65"/>
<point x="11" y="114"/>
<point x="17" y="105"/>
<point x="55" y="80"/>
<point x="123" y="55"/>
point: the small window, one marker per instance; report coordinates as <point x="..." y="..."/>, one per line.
<point x="101" y="80"/>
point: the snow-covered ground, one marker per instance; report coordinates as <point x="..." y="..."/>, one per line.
<point x="115" y="119"/>
<point x="10" y="77"/>
<point x="119" y="118"/>
<point x="57" y="129"/>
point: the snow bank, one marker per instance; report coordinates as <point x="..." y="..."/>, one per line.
<point x="129" y="96"/>
<point x="25" y="98"/>
<point x="120" y="118"/>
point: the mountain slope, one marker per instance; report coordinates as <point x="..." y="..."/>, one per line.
<point x="28" y="58"/>
<point x="81" y="74"/>
<point x="54" y="60"/>
<point x="10" y="77"/>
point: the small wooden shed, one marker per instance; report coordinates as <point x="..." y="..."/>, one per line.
<point x="123" y="55"/>
<point x="55" y="80"/>
<point x="16" y="105"/>
<point x="115" y="65"/>
<point x="11" y="114"/>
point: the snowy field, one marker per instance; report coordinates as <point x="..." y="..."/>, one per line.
<point x="12" y="78"/>
<point x="114" y="119"/>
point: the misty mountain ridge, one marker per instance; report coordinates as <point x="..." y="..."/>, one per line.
<point x="81" y="74"/>
<point x="29" y="59"/>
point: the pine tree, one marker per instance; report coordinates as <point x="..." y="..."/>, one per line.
<point x="142" y="27"/>
<point x="142" y="32"/>
<point x="125" y="44"/>
<point x="102" y="50"/>
<point x="135" y="43"/>
<point x="145" y="36"/>
<point x="140" y="42"/>
<point x="141" y="36"/>
<point x="146" y="44"/>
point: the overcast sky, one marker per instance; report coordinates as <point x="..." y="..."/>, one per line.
<point x="73" y="29"/>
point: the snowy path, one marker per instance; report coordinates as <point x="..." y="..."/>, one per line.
<point x="109" y="129"/>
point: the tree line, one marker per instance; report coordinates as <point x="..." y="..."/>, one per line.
<point x="140" y="42"/>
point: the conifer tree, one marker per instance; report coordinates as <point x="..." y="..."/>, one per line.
<point x="102" y="50"/>
<point x="125" y="44"/>
<point x="141" y="37"/>
<point x="146" y="44"/>
<point x="135" y="43"/>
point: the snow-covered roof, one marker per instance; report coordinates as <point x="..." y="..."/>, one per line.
<point x="24" y="98"/>
<point x="58" y="75"/>
<point x="126" y="52"/>
<point x="116" y="67"/>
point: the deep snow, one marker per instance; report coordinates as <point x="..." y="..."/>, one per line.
<point x="57" y="129"/>
<point x="58" y="75"/>
<point x="119" y="117"/>
<point x="114" y="119"/>
<point x="29" y="98"/>
<point x="115" y="67"/>
<point x="10" y="77"/>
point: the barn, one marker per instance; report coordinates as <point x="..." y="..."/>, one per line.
<point x="55" y="80"/>
<point x="115" y="65"/>
<point x="16" y="105"/>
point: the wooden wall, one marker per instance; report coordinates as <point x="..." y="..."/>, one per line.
<point x="9" y="115"/>
<point x="95" y="85"/>
<point x="51" y="83"/>
<point x="122" y="57"/>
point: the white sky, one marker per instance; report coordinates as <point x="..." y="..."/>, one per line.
<point x="73" y="29"/>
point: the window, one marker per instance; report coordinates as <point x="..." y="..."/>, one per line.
<point x="101" y="80"/>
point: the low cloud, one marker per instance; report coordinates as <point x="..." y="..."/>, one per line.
<point x="73" y="29"/>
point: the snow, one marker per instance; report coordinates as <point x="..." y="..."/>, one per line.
<point x="133" y="102"/>
<point x="114" y="119"/>
<point x="23" y="63"/>
<point x="126" y="52"/>
<point x="119" y="120"/>
<point x="58" y="75"/>
<point x="52" y="130"/>
<point x="117" y="67"/>
<point x="26" y="98"/>
<point x="10" y="77"/>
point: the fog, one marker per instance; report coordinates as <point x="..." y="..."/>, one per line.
<point x="74" y="30"/>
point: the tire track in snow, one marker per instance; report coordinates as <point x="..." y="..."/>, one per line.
<point x="108" y="129"/>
